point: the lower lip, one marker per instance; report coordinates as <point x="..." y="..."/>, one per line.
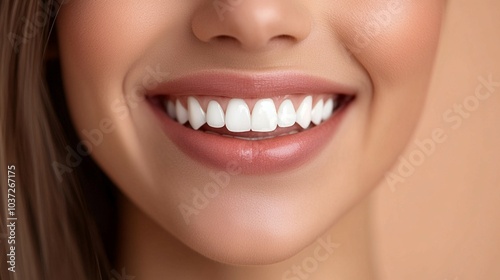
<point x="253" y="157"/>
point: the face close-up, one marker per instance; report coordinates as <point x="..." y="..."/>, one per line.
<point x="246" y="128"/>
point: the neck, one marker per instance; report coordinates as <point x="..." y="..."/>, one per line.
<point x="147" y="251"/>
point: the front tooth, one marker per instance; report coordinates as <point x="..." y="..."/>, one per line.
<point x="196" y="113"/>
<point x="304" y="112"/>
<point x="238" y="116"/>
<point x="327" y="109"/>
<point x="170" y="109"/>
<point x="317" y="113"/>
<point x="286" y="114"/>
<point x="264" y="116"/>
<point x="181" y="112"/>
<point x="215" y="114"/>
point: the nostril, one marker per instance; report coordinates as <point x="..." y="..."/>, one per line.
<point x="284" y="37"/>
<point x="231" y="39"/>
<point x="225" y="38"/>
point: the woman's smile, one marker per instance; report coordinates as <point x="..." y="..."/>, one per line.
<point x="264" y="123"/>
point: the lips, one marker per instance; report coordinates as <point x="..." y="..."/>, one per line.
<point x="262" y="123"/>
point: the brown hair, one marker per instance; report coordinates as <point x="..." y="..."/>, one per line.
<point x="56" y="236"/>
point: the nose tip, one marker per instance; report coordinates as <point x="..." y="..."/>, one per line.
<point x="253" y="24"/>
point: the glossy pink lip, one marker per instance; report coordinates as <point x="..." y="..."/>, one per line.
<point x="235" y="85"/>
<point x="253" y="157"/>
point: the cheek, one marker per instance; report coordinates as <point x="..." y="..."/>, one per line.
<point x="394" y="42"/>
<point x="103" y="38"/>
<point x="100" y="42"/>
<point x="392" y="39"/>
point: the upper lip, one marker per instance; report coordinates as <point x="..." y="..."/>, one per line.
<point x="254" y="85"/>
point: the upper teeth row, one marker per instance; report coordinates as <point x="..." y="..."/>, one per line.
<point x="263" y="118"/>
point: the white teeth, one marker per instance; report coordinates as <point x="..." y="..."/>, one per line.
<point x="215" y="115"/>
<point x="327" y="109"/>
<point x="238" y="116"/>
<point x="317" y="113"/>
<point x="195" y="113"/>
<point x="264" y="116"/>
<point x="286" y="114"/>
<point x="170" y="109"/>
<point x="304" y="112"/>
<point x="181" y="112"/>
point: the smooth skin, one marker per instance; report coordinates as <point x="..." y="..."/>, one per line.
<point x="111" y="50"/>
